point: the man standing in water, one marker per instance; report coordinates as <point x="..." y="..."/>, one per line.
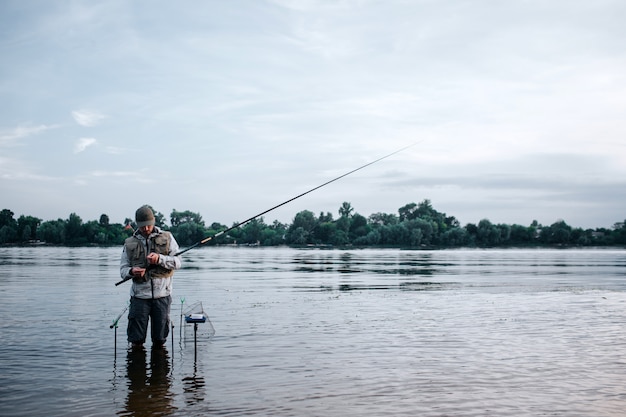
<point x="149" y="258"/>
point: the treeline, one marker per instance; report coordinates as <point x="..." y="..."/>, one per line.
<point x="414" y="226"/>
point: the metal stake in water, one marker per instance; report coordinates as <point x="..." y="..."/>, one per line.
<point x="114" y="326"/>
<point x="182" y="301"/>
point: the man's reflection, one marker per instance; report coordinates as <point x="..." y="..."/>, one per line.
<point x="148" y="387"/>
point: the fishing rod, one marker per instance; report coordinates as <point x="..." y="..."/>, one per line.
<point x="207" y="239"/>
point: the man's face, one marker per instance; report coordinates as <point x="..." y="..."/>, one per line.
<point x="146" y="230"/>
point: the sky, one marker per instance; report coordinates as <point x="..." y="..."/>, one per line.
<point x="515" y="110"/>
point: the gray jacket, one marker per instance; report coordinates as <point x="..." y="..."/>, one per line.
<point x="154" y="287"/>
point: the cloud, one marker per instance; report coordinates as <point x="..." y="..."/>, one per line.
<point x="87" y="118"/>
<point x="83" y="143"/>
<point x="8" y="136"/>
<point x="139" y="176"/>
<point x="109" y="174"/>
<point x="116" y="150"/>
<point x="13" y="170"/>
<point x="494" y="95"/>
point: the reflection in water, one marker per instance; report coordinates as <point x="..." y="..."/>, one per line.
<point x="402" y="286"/>
<point x="359" y="270"/>
<point x="193" y="387"/>
<point x="148" y="387"/>
<point x="410" y="263"/>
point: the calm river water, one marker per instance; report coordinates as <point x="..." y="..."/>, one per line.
<point x="322" y="333"/>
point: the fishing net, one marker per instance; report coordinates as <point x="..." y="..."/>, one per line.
<point x="195" y="324"/>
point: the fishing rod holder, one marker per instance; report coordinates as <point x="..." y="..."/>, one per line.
<point x="195" y="315"/>
<point x="195" y="319"/>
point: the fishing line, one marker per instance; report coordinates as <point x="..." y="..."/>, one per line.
<point x="202" y="242"/>
<point x="205" y="240"/>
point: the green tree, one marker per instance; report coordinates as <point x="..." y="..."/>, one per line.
<point x="423" y="210"/>
<point x="215" y="228"/>
<point x="159" y="219"/>
<point x="52" y="231"/>
<point x="383" y="219"/>
<point x="373" y="238"/>
<point x="104" y="220"/>
<point x="6" y="219"/>
<point x="395" y="235"/>
<point x="578" y="236"/>
<point x="8" y="234"/>
<point x="343" y="224"/>
<point x="300" y="232"/>
<point x="602" y="236"/>
<point x="455" y="237"/>
<point x="116" y="233"/>
<point x="91" y="230"/>
<point x="74" y="230"/>
<point x="273" y="235"/>
<point x="325" y="228"/>
<point x="521" y="235"/>
<point x="27" y="227"/>
<point x="252" y="231"/>
<point x="26" y="234"/>
<point x="279" y="230"/>
<point x="340" y="238"/>
<point x="324" y="232"/>
<point x="487" y="234"/>
<point x="558" y="233"/>
<point x="325" y="217"/>
<point x="358" y="227"/>
<point x="179" y="217"/>
<point x="188" y="233"/>
<point x="619" y="231"/>
<point x="407" y="212"/>
<point x="440" y="222"/>
<point x="346" y="209"/>
<point x="187" y="227"/>
<point x="505" y="233"/>
<point x="420" y="231"/>
<point x="298" y="236"/>
<point x="8" y="227"/>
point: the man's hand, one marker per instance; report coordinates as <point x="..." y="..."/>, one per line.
<point x="153" y="258"/>
<point x="137" y="272"/>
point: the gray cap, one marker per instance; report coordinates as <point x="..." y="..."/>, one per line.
<point x="144" y="216"/>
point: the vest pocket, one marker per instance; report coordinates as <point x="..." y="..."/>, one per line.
<point x="161" y="245"/>
<point x="135" y="248"/>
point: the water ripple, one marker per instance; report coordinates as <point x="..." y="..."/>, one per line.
<point x="322" y="332"/>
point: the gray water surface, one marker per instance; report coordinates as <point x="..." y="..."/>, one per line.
<point x="316" y="332"/>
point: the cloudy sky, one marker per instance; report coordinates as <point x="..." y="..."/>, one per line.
<point x="227" y="108"/>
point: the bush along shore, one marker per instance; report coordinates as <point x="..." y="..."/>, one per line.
<point x="414" y="226"/>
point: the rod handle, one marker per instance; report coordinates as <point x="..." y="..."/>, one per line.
<point x="122" y="281"/>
